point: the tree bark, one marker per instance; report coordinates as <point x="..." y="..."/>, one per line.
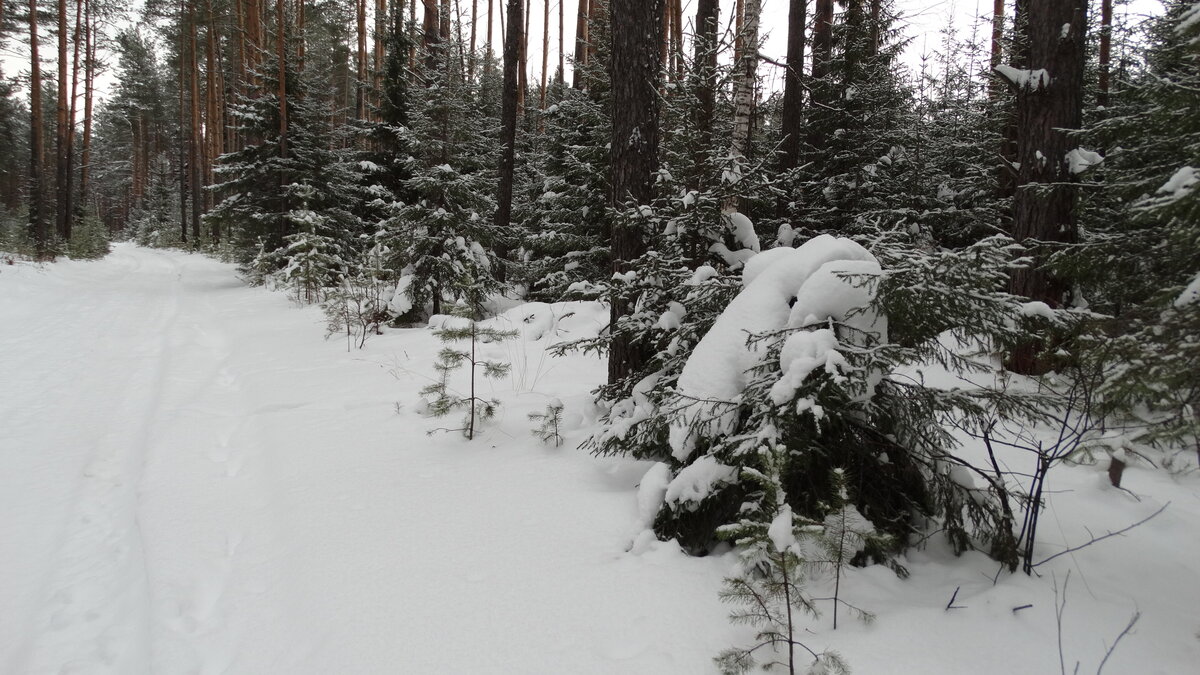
<point x="581" y="43"/>
<point x="508" y="120"/>
<point x="62" y="182"/>
<point x="37" y="143"/>
<point x="545" y="51"/>
<point x="523" y="60"/>
<point x="793" y="86"/>
<point x="1105" y="55"/>
<point x="183" y="132"/>
<point x="89" y="88"/>
<point x="822" y="58"/>
<point x="471" y="57"/>
<point x="360" y="62"/>
<point x="196" y="161"/>
<point x="430" y="31"/>
<point x="708" y="15"/>
<point x="634" y="70"/>
<point x="71" y="204"/>
<point x="997" y="53"/>
<point x="1049" y="105"/>
<point x="744" y="81"/>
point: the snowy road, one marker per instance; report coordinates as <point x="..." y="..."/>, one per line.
<point x="193" y="481"/>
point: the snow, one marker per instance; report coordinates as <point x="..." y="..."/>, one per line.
<point x="1033" y="79"/>
<point x="193" y="481"/>
<point x="1038" y="309"/>
<point x="716" y="373"/>
<point x="696" y="481"/>
<point x="1190" y="294"/>
<point x="1181" y="182"/>
<point x="802" y="353"/>
<point x="743" y="230"/>
<point x="1080" y="160"/>
<point x="782" y="531"/>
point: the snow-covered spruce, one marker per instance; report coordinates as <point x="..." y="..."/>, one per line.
<point x="802" y="358"/>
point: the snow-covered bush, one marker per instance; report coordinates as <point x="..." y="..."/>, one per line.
<point x="807" y="349"/>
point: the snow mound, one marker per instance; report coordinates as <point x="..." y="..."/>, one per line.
<point x="712" y="381"/>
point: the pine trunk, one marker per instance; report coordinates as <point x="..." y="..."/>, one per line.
<point x="89" y="89"/>
<point x="471" y="60"/>
<point x="581" y="45"/>
<point x="1049" y="106"/>
<point x="545" y="51"/>
<point x="522" y="61"/>
<point x="508" y="120"/>
<point x="634" y="70"/>
<point x="183" y="134"/>
<point x="708" y="15"/>
<point x="997" y="53"/>
<point x="214" y="123"/>
<point x="429" y="37"/>
<point x="197" y="160"/>
<point x="71" y="204"/>
<point x="360" y="70"/>
<point x="37" y="143"/>
<point x="822" y="58"/>
<point x="1105" y="55"/>
<point x="62" y="182"/>
<point x="793" y="87"/>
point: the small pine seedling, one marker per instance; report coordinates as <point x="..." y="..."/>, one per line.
<point x="549" y="423"/>
<point x="451" y="359"/>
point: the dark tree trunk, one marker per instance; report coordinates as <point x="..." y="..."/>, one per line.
<point x="1049" y="104"/>
<point x="62" y="184"/>
<point x="89" y="86"/>
<point x="1105" y="51"/>
<point x="708" y="15"/>
<point x="581" y="42"/>
<point x="634" y="69"/>
<point x="37" y="143"/>
<point x="793" y="92"/>
<point x="997" y="51"/>
<point x="822" y="58"/>
<point x="196" y="141"/>
<point x="508" y="123"/>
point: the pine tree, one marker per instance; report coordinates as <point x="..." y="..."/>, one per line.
<point x="461" y="327"/>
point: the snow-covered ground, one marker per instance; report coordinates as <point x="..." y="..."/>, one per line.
<point x="193" y="481"/>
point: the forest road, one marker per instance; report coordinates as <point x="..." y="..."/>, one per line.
<point x="136" y="537"/>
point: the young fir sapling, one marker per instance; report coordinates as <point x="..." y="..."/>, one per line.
<point x="444" y="400"/>
<point x="549" y="423"/>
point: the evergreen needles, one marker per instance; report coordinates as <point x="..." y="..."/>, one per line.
<point x="444" y="400"/>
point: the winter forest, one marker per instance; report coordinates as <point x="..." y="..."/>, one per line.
<point x="591" y="336"/>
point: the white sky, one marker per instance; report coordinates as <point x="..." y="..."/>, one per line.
<point x="920" y="20"/>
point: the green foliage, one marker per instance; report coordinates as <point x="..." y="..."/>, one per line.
<point x="774" y="546"/>
<point x="1136" y="259"/>
<point x="549" y="423"/>
<point x="442" y="399"/>
<point x="89" y="238"/>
